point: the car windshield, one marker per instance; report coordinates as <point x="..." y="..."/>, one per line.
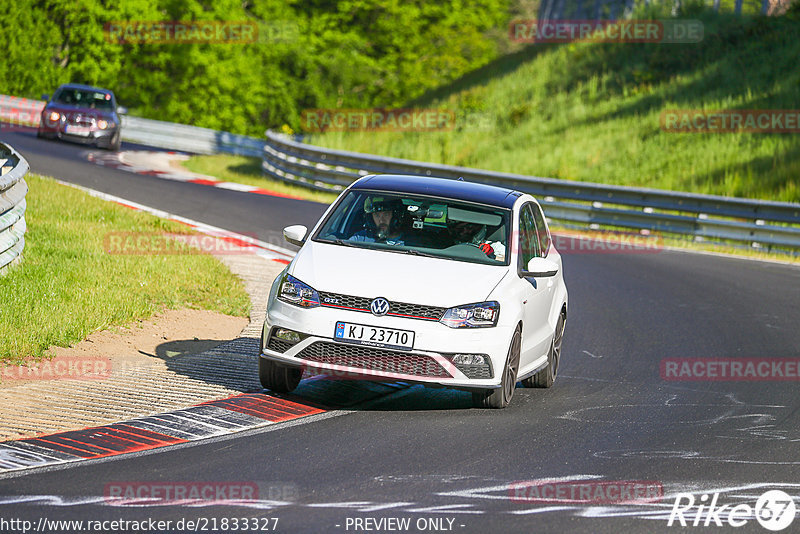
<point x="84" y="99"/>
<point x="420" y="225"/>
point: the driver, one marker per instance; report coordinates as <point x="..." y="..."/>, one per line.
<point x="382" y="220"/>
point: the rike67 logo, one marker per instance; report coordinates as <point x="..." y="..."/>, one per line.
<point x="774" y="510"/>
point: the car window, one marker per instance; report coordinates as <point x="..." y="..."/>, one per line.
<point x="87" y="99"/>
<point x="528" y="239"/>
<point x="417" y="224"/>
<point x="541" y="229"/>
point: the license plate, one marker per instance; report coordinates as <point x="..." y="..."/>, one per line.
<point x="77" y="130"/>
<point x="374" y="336"/>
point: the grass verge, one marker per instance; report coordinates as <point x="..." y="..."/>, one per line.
<point x="67" y="286"/>
<point x="592" y="112"/>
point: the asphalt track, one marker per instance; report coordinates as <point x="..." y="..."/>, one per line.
<point x="425" y="456"/>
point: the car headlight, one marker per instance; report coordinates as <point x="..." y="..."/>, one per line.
<point x="54" y="116"/>
<point x="296" y="292"/>
<point x="479" y="315"/>
<point x="102" y="124"/>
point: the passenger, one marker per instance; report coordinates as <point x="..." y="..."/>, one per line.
<point x="472" y="234"/>
<point x="382" y="217"/>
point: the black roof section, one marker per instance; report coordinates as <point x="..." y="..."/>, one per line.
<point x="441" y="187"/>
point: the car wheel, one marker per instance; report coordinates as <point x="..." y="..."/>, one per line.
<point x="115" y="143"/>
<point x="279" y="378"/>
<point x="499" y="398"/>
<point x="546" y="377"/>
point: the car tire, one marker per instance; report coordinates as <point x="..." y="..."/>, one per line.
<point x="547" y="376"/>
<point x="276" y="377"/>
<point x="115" y="143"/>
<point x="499" y="398"/>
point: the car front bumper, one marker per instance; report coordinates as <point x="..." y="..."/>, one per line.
<point x="428" y="362"/>
<point x="96" y="136"/>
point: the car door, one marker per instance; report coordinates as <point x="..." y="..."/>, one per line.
<point x="537" y="293"/>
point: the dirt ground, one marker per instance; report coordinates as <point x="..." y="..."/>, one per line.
<point x="183" y="331"/>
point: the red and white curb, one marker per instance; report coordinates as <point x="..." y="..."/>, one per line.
<point x="209" y="419"/>
<point x="161" y="164"/>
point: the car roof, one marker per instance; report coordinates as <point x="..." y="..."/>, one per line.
<point x="440" y="187"/>
<point x="85" y="88"/>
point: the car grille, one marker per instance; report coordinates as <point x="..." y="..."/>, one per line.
<point x="396" y="309"/>
<point x="278" y="345"/>
<point x="80" y="120"/>
<point x="373" y="359"/>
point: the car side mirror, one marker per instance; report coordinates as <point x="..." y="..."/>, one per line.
<point x="540" y="267"/>
<point x="295" y="234"/>
<point x="45" y="97"/>
<point x="122" y="110"/>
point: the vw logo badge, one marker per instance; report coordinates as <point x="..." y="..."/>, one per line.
<point x="379" y="306"/>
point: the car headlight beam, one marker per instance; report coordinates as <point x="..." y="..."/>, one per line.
<point x="478" y="315"/>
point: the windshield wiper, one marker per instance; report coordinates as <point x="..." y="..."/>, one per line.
<point x="418" y="253"/>
<point x="344" y="243"/>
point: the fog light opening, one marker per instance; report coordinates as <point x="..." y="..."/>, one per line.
<point x="287" y="335"/>
<point x="469" y="359"/>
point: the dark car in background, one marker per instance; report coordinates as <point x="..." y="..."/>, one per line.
<point x="83" y="114"/>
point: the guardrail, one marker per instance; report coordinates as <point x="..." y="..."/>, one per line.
<point x="169" y="135"/>
<point x="17" y="110"/>
<point x="703" y="217"/>
<point x="188" y="138"/>
<point x="13" y="188"/>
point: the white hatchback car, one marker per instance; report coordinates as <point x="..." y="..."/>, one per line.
<point x="441" y="282"/>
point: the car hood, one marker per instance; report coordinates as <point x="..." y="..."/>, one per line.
<point x="398" y="277"/>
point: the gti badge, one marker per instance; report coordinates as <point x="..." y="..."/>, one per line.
<point x="379" y="306"/>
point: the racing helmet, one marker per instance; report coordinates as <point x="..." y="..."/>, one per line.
<point x="381" y="203"/>
<point x="466" y="226"/>
<point x="373" y="204"/>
